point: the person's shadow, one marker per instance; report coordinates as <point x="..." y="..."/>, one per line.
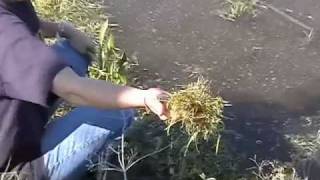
<point x="257" y="127"/>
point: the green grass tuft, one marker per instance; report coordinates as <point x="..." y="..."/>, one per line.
<point x="238" y="8"/>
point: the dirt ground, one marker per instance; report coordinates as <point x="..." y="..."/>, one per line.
<point x="264" y="65"/>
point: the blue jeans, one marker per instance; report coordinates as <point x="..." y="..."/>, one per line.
<point x="70" y="142"/>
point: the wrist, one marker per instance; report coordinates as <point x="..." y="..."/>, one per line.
<point x="132" y="97"/>
<point x="143" y="97"/>
<point x="65" y="30"/>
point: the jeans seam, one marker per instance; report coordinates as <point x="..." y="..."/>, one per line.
<point x="74" y="151"/>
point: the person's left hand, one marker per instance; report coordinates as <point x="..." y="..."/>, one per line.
<point x="79" y="40"/>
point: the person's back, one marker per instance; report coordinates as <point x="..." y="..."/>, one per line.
<point x="24" y="85"/>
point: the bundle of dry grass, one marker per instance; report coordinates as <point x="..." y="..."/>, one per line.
<point x="198" y="111"/>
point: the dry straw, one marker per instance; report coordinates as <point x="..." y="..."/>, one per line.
<point x="87" y="15"/>
<point x="197" y="110"/>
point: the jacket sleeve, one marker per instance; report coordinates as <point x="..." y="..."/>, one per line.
<point x="27" y="65"/>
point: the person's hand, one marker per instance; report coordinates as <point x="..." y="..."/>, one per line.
<point x="156" y="100"/>
<point x="79" y="40"/>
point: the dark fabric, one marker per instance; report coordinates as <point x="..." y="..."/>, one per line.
<point x="27" y="69"/>
<point x="25" y="11"/>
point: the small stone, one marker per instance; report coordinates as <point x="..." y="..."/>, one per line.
<point x="289" y="10"/>
<point x="259" y="142"/>
<point x="158" y="80"/>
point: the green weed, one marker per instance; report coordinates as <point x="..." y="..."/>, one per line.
<point x="238" y="8"/>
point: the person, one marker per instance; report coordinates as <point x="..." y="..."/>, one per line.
<point x="32" y="76"/>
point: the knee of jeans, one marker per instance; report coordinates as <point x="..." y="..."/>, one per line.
<point x="129" y="117"/>
<point x="71" y="57"/>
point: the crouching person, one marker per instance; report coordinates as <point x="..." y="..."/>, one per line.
<point x="33" y="76"/>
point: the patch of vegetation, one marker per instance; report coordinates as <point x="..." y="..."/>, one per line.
<point x="273" y="170"/>
<point x="238" y="8"/>
<point x="9" y="176"/>
<point x="306" y="145"/>
<point x="149" y="135"/>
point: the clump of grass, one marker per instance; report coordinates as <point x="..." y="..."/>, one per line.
<point x="89" y="16"/>
<point x="112" y="62"/>
<point x="238" y="8"/>
<point x="273" y="170"/>
<point x="197" y="110"/>
<point x="9" y="176"/>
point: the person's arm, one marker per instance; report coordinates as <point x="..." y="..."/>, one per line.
<point x="49" y="29"/>
<point x="79" y="40"/>
<point x="101" y="94"/>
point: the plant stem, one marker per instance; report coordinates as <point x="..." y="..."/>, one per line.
<point x="125" y="175"/>
<point x="123" y="165"/>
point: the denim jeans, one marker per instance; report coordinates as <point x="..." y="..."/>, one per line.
<point x="71" y="141"/>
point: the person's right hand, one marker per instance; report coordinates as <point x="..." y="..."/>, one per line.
<point x="156" y="100"/>
<point x="78" y="40"/>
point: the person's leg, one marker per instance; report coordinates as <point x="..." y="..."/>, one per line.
<point x="79" y="63"/>
<point x="70" y="142"/>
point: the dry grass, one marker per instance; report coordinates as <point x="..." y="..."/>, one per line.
<point x="273" y="170"/>
<point x="9" y="176"/>
<point x="197" y="110"/>
<point x="87" y="15"/>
